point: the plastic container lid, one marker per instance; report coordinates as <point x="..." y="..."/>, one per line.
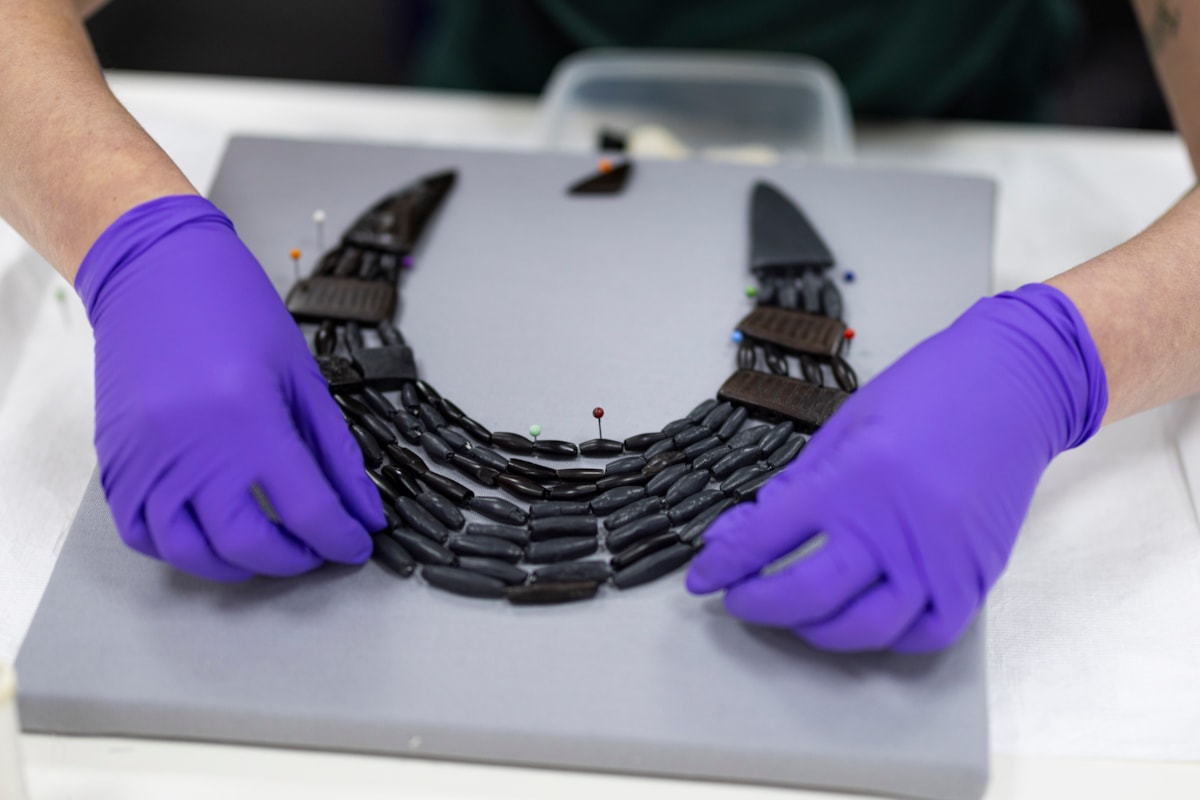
<point x="792" y="105"/>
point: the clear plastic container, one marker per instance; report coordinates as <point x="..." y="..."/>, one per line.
<point x="793" y="106"/>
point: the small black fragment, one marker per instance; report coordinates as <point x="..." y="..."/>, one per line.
<point x="389" y="552"/>
<point x="520" y="486"/>
<point x="618" y="481"/>
<point x="677" y="426"/>
<point x="430" y="417"/>
<point x="531" y="469"/>
<point x="742" y="475"/>
<point x="696" y="449"/>
<point x="401" y="481"/>
<point x="458" y="443"/>
<point x="447" y="487"/>
<point x="406" y="459"/>
<point x="493" y="567"/>
<point x="386" y="492"/>
<point x="409" y="397"/>
<point x="498" y="509"/>
<point x="658" y="448"/>
<point x="543" y="528"/>
<point x="409" y="426"/>
<point x="707" y="460"/>
<point x="420" y="520"/>
<point x="691" y="436"/>
<point x="424" y="550"/>
<point x="635" y="510"/>
<point x="510" y="533"/>
<point x="701" y="411"/>
<point x="638" y="443"/>
<point x="428" y="393"/>
<point x="615" y="499"/>
<point x="435" y="447"/>
<point x="472" y="468"/>
<point x="733" y="424"/>
<point x="591" y="570"/>
<point x="579" y="474"/>
<point x="625" y="466"/>
<point x="573" y="491"/>
<point x="372" y="453"/>
<point x="695" y="505"/>
<point x="787" y="451"/>
<point x="485" y="547"/>
<point x="445" y="511"/>
<point x="464" y="582"/>
<point x="489" y="458"/>
<point x="643" y="548"/>
<point x="735" y="460"/>
<point x="512" y="442"/>
<point x="749" y="436"/>
<point x="692" y="531"/>
<point x="628" y="535"/>
<point x="687" y="486"/>
<point x="598" y="448"/>
<point x="555" y="448"/>
<point x="715" y="418"/>
<point x="654" y="566"/>
<point x="553" y="551"/>
<point x="776" y="436"/>
<point x="661" y="462"/>
<point x="536" y="594"/>
<point x="558" y="508"/>
<point x="475" y="430"/>
<point x="659" y="484"/>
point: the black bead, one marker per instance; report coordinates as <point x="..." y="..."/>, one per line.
<point x="553" y="551"/>
<point x="386" y="492"/>
<point x="489" y="458"/>
<point x="579" y="474"/>
<point x="642" y="549"/>
<point x="428" y="393"/>
<point x="393" y="519"/>
<point x="599" y="448"/>
<point x="435" y="447"/>
<point x="735" y="460"/>
<point x="512" y="442"/>
<point x="638" y="443"/>
<point x="352" y="408"/>
<point x="511" y="533"/>
<point x="749" y="489"/>
<point x="591" y="570"/>
<point x="521" y="486"/>
<point x="450" y="411"/>
<point x="676" y="426"/>
<point x="619" y="481"/>
<point x="657" y="449"/>
<point x="733" y="424"/>
<point x="697" y="449"/>
<point x="543" y="528"/>
<point x="661" y="462"/>
<point x="372" y="454"/>
<point x="628" y="535"/>
<point x="558" y="508"/>
<point x="699" y="524"/>
<point x="615" y="499"/>
<point x="472" y="468"/>
<point x="378" y="402"/>
<point x="691" y="436"/>
<point x="749" y="436"/>
<point x="485" y="547"/>
<point x="742" y="475"/>
<point x="495" y="568"/>
<point x="776" y="436"/>
<point x="573" y="491"/>
<point x="476" y="430"/>
<point x="531" y="469"/>
<point x="659" y="484"/>
<point x="654" y="566"/>
<point x="392" y="555"/>
<point x="443" y="509"/>
<point x="447" y="487"/>
<point x="707" y="460"/>
<point x="409" y="397"/>
<point x="498" y="509"/>
<point x="458" y="443"/>
<point x="406" y="459"/>
<point x="464" y="582"/>
<point x="536" y="594"/>
<point x="325" y="339"/>
<point x="693" y="506"/>
<point x="715" y="418"/>
<point x="430" y="417"/>
<point x="424" y="550"/>
<point x="625" y="466"/>
<point x="701" y="411"/>
<point x="554" y="448"/>
<point x="635" y="510"/>
<point x="420" y="520"/>
<point x="784" y="453"/>
<point x="409" y="426"/>
<point x="687" y="486"/>
<point x="401" y="481"/>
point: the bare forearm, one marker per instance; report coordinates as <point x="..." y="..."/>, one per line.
<point x="71" y="158"/>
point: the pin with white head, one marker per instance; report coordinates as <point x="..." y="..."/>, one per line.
<point x="319" y="221"/>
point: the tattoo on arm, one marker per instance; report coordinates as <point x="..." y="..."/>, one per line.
<point x="1163" y="27"/>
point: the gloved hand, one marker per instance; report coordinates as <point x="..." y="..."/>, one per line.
<point x="209" y="407"/>
<point x="919" y="482"/>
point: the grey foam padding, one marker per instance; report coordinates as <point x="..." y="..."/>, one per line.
<point x="528" y="306"/>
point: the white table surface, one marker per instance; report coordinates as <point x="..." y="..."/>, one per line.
<point x="1094" y="631"/>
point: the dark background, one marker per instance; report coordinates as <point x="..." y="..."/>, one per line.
<point x="1108" y="80"/>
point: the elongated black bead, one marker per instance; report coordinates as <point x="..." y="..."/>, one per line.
<point x="691" y="436"/>
<point x="512" y="442"/>
<point x="573" y="491"/>
<point x="661" y="482"/>
<point x="691" y="531"/>
<point x="485" y="547"/>
<point x="749" y="436"/>
<point x="658" y="448"/>
<point x="447" y="487"/>
<point x="420" y="520"/>
<point x="510" y="533"/>
<point x="393" y="519"/>
<point x="787" y="451"/>
<point x="424" y="550"/>
<point x="498" y="509"/>
<point x="638" y="443"/>
<point x="687" y="486"/>
<point x="428" y="393"/>
<point x="325" y="339"/>
<point x="538" y="594"/>
<point x="372" y="453"/>
<point x="511" y="574"/>
<point x="464" y="582"/>
<point x="591" y="570"/>
<point x="555" y="448"/>
<point x="777" y="436"/>
<point x="635" y="510"/>
<point x="409" y="397"/>
<point x="386" y="491"/>
<point x="352" y="408"/>
<point x="445" y="511"/>
<point x="558" y="508"/>
<point x="521" y="486"/>
<point x="378" y="402"/>
<point x="391" y="554"/>
<point x="701" y="411"/>
<point x="489" y="458"/>
<point x="710" y="458"/>
<point x="600" y="448"/>
<point x="654" y="566"/>
<point x="580" y="474"/>
<point x="401" y="481"/>
<point x="693" y="506"/>
<point x="450" y="411"/>
<point x="543" y="528"/>
<point x="742" y="475"/>
<point x="409" y="426"/>
<point x="475" y="430"/>
<point x="406" y="459"/>
<point x="618" y="481"/>
<point x="661" y="462"/>
<point x="472" y="468"/>
<point x="435" y="447"/>
<point x="615" y="499"/>
<point x="458" y="443"/>
<point x="642" y="549"/>
<point x="625" y="466"/>
<point x="749" y="489"/>
<point x="552" y="551"/>
<point x="430" y="417"/>
<point x="531" y="469"/>
<point x="735" y="460"/>
<point x="733" y="423"/>
<point x="697" y="449"/>
<point x="677" y="426"/>
<point x="628" y="535"/>
<point x="715" y="418"/>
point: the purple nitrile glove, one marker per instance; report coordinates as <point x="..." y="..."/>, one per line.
<point x="209" y="407"/>
<point x="919" y="483"/>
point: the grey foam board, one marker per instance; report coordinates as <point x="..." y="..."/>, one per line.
<point x="528" y="306"/>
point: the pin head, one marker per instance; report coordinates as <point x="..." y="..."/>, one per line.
<point x="295" y="254"/>
<point x="849" y="276"/>
<point x="605" y="165"/>
<point x="848" y="334"/>
<point x="751" y="291"/>
<point x="535" y="431"/>
<point x="597" y="412"/>
<point x="736" y="337"/>
<point x="319" y="216"/>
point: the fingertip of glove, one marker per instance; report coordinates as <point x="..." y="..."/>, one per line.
<point x="700" y="578"/>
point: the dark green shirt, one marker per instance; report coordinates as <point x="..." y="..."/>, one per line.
<point x="896" y="57"/>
